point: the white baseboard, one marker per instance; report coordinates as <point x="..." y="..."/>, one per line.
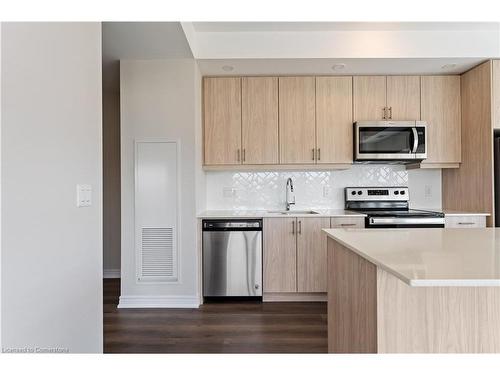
<point x="172" y="302"/>
<point x="111" y="273"/>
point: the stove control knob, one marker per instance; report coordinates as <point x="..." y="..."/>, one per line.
<point x="360" y="192"/>
<point x="353" y="192"/>
<point x="396" y="192"/>
<point x="402" y="192"/>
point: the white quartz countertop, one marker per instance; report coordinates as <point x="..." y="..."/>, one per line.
<point x="214" y="214"/>
<point x="449" y="212"/>
<point x="429" y="256"/>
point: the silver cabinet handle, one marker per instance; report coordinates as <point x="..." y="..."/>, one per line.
<point x="390" y="113"/>
<point x="466" y="223"/>
<point x="384" y="113"/>
<point x="244" y="155"/>
<point x="347" y="224"/>
<point x="293" y="227"/>
<point x="319" y="154"/>
<point x="313" y="154"/>
<point x="238" y="152"/>
<point x="300" y="227"/>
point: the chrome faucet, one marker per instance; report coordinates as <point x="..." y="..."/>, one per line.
<point x="290" y="196"/>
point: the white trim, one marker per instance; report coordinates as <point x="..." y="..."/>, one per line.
<point x="175" y="302"/>
<point x="111" y="273"/>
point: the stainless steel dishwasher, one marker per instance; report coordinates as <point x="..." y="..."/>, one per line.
<point x="232" y="258"/>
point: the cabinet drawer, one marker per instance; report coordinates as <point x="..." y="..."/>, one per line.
<point x="347" y="222"/>
<point x="465" y="221"/>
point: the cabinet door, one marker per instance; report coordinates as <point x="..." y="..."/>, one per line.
<point x="260" y="120"/>
<point x="297" y="123"/>
<point x="334" y="119"/>
<point x="403" y="97"/>
<point x="280" y="255"/>
<point x="222" y="120"/>
<point x="311" y="254"/>
<point x="369" y="96"/>
<point x="496" y="93"/>
<point x="440" y="99"/>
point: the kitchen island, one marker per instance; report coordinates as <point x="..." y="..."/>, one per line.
<point x="413" y="290"/>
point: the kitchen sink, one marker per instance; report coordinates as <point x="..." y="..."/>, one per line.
<point x="295" y="212"/>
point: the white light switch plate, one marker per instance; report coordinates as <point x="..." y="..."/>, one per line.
<point x="83" y="195"/>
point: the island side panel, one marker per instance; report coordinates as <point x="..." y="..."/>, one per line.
<point x="352" y="302"/>
<point x="436" y="319"/>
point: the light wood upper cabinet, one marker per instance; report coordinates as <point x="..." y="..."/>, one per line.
<point x="297" y="121"/>
<point x="334" y="120"/>
<point x="369" y="96"/>
<point x="403" y="97"/>
<point x="259" y="120"/>
<point x="311" y="255"/>
<point x="280" y="255"/>
<point x="386" y="98"/>
<point x="308" y="120"/>
<point x="222" y="120"/>
<point x="440" y="98"/>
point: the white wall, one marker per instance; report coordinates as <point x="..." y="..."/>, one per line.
<point x="51" y="141"/>
<point x="160" y="99"/>
<point x="316" y="189"/>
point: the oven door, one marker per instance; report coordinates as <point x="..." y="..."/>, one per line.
<point x="385" y="140"/>
<point x="404" y="222"/>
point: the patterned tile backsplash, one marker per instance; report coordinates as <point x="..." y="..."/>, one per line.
<point x="316" y="189"/>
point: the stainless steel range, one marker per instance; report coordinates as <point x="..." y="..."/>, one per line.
<point x="389" y="207"/>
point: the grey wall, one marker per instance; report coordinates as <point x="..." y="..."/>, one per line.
<point x="51" y="141"/>
<point x="160" y="99"/>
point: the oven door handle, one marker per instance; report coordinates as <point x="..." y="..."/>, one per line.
<point x="406" y="221"/>
<point x="415" y="140"/>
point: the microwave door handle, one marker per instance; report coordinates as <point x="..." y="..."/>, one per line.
<point x="415" y="140"/>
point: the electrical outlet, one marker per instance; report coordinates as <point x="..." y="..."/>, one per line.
<point x="326" y="191"/>
<point x="228" y="192"/>
<point x="428" y="191"/>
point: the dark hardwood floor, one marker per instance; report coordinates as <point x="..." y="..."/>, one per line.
<point x="236" y="327"/>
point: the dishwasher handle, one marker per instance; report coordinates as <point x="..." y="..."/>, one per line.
<point x="233" y="225"/>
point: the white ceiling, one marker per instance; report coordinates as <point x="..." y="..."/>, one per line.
<point x="339" y="26"/>
<point x="303" y="47"/>
<point x="139" y="40"/>
<point x="298" y="40"/>
<point x="324" y="66"/>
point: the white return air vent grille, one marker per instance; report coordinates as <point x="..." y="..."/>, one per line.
<point x="158" y="255"/>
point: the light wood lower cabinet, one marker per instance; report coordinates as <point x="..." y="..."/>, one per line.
<point x="347" y="222"/>
<point x="311" y="255"/>
<point x="295" y="258"/>
<point x="280" y="255"/>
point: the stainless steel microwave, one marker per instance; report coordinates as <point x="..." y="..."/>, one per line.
<point x="390" y="141"/>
